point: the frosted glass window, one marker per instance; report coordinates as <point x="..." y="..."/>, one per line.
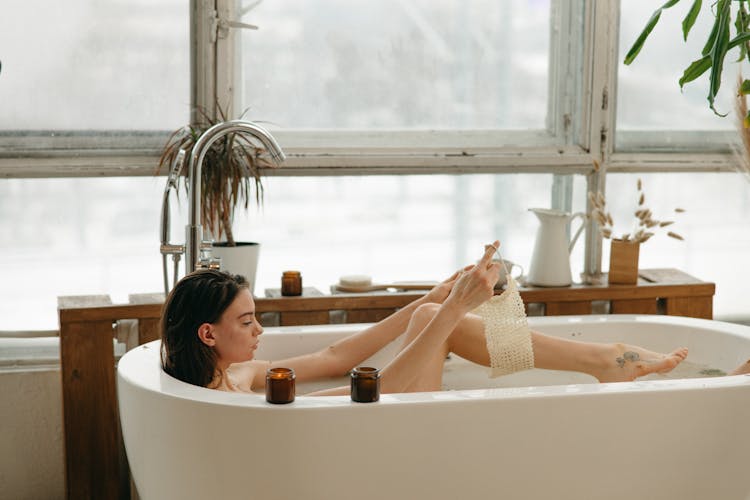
<point x="91" y="65"/>
<point x="101" y="236"/>
<point x="94" y="236"/>
<point x="392" y="64"/>
<point x="649" y="95"/>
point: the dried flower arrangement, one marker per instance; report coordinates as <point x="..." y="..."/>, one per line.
<point x="644" y="227"/>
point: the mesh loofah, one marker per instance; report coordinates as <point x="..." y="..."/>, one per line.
<point x="507" y="332"/>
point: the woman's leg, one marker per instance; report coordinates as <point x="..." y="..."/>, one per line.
<point x="606" y="362"/>
<point x="393" y="377"/>
<point x="430" y="376"/>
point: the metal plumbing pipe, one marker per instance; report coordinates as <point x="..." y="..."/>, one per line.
<point x="194" y="230"/>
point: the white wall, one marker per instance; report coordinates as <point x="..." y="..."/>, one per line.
<point x="31" y="447"/>
<point x="31" y="436"/>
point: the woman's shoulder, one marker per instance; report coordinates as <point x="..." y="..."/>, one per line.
<point x="246" y="374"/>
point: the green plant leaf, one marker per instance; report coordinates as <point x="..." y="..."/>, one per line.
<point x="700" y="66"/>
<point x="717" y="45"/>
<point x="745" y="87"/>
<point x="719" y="51"/>
<point x="711" y="38"/>
<point x="740" y="26"/>
<point x="696" y="69"/>
<point x="739" y="39"/>
<point x="638" y="44"/>
<point x="689" y="20"/>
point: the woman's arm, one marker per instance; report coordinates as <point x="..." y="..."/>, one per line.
<point x="468" y="290"/>
<point x="343" y="355"/>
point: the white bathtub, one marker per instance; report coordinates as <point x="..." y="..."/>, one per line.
<point x="537" y="434"/>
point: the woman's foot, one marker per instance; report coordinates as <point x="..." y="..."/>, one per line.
<point x="622" y="363"/>
<point x="742" y="369"/>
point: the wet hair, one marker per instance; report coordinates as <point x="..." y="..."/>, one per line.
<point x="200" y="297"/>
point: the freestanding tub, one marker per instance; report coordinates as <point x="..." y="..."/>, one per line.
<point x="537" y="434"/>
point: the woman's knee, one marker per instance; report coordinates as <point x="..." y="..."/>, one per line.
<point x="424" y="313"/>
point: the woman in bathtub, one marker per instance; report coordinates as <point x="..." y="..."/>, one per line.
<point x="210" y="334"/>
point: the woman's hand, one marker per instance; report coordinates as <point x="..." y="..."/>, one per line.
<point x="476" y="284"/>
<point x="440" y="292"/>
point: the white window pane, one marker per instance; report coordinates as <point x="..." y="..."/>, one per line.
<point x="421" y="64"/>
<point x="393" y="228"/>
<point x="94" y="65"/>
<point x="649" y="96"/>
<point x="93" y="236"/>
<point x="75" y="237"/>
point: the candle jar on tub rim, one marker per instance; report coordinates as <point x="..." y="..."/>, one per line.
<point x="365" y="384"/>
<point x="280" y="387"/>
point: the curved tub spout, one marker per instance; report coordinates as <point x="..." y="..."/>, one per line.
<point x="194" y="231"/>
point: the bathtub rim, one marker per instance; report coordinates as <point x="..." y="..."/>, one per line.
<point x="136" y="370"/>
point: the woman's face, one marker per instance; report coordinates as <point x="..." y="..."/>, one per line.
<point x="237" y="330"/>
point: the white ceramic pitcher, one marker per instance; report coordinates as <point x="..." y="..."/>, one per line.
<point x="550" y="262"/>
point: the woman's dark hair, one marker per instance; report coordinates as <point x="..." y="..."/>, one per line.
<point x="200" y="297"/>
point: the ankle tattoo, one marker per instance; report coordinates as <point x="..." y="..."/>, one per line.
<point x="627" y="356"/>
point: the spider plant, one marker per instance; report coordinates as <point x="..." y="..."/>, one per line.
<point x="231" y="169"/>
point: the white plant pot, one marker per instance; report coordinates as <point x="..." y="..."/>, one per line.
<point x="242" y="259"/>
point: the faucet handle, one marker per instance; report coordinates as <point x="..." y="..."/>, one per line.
<point x="210" y="263"/>
<point x="207" y="260"/>
<point x="168" y="249"/>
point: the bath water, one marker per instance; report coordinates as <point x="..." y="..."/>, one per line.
<point x="687" y="369"/>
<point x="461" y="374"/>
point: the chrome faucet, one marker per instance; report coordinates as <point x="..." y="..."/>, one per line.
<point x="194" y="243"/>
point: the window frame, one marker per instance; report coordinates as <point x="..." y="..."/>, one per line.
<point x="576" y="126"/>
<point x="550" y="150"/>
<point x="214" y="76"/>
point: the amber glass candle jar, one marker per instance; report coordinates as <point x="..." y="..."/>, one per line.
<point x="280" y="385"/>
<point x="365" y="384"/>
<point x="291" y="283"/>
